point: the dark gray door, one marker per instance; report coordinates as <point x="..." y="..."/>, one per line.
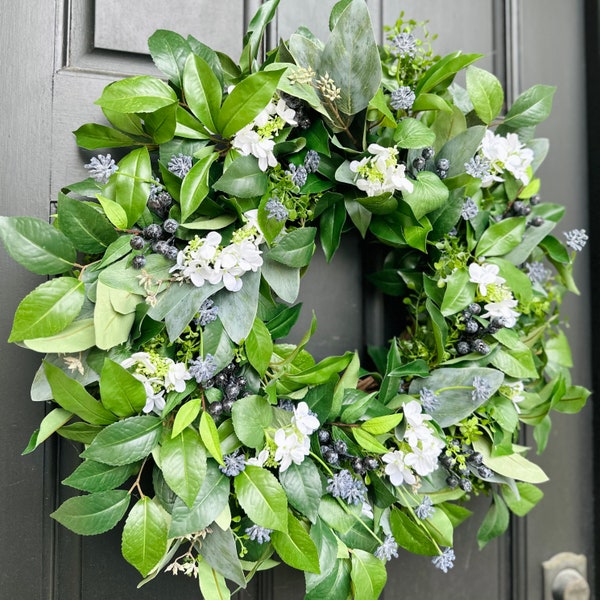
<point x="55" y="58"/>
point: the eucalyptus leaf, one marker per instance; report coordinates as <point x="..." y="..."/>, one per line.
<point x="295" y="547"/>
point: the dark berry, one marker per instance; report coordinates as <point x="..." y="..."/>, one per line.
<point x="518" y="206"/>
<point x="171" y="253"/>
<point x="154" y="204"/>
<point x="232" y="390"/>
<point x="170" y="226"/>
<point x="485" y="472"/>
<point x="471" y="326"/>
<point x="331" y="456"/>
<point x="441" y="173"/>
<point x="537" y="221"/>
<point x="466" y="485"/>
<point x="443" y="164"/>
<point x="419" y="163"/>
<point x="230" y="368"/>
<point x="137" y="242"/>
<point x="475" y="458"/>
<point x="160" y="247"/>
<point x="358" y="466"/>
<point x="428" y="153"/>
<point x="228" y="405"/>
<point x="324" y="436"/>
<point x="370" y="463"/>
<point x="447" y="461"/>
<point x="474" y="308"/>
<point x="152" y="232"/>
<point x="242" y="381"/>
<point x="452" y="480"/>
<point x="138" y="261"/>
<point x="495" y="326"/>
<point x="480" y="346"/>
<point x="209" y="383"/>
<point x="221" y="379"/>
<point x="215" y="409"/>
<point x="340" y="447"/>
<point x="463" y="348"/>
<point x="535" y="200"/>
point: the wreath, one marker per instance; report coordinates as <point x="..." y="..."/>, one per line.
<point x="173" y="276"/>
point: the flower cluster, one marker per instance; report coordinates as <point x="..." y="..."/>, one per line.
<point x="293" y="443"/>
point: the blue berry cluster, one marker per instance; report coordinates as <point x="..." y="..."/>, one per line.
<point x="335" y="452"/>
<point x="231" y="387"/>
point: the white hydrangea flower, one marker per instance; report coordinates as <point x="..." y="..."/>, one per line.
<point x="505" y="154"/>
<point x="248" y="141"/>
<point x="291" y="448"/>
<point x="396" y="468"/>
<point x="484" y="275"/>
<point x="176" y="377"/>
<point x="304" y="420"/>
<point x="260" y="459"/>
<point x="424" y="456"/>
<point x="502" y="310"/>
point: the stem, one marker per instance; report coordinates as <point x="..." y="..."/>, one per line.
<point x="417" y="520"/>
<point x="136" y="483"/>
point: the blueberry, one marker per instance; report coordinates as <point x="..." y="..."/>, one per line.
<point x="485" y="472"/>
<point x="232" y="390"/>
<point x="471" y="326"/>
<point x="447" y="461"/>
<point x="215" y="409"/>
<point x="171" y="253"/>
<point x="370" y="463"/>
<point x="138" y="261"/>
<point x="537" y="221"/>
<point x="463" y="348"/>
<point x="441" y="173"/>
<point x="331" y="456"/>
<point x="340" y="447"/>
<point x="221" y="379"/>
<point x="152" y="232"/>
<point x="137" y="242"/>
<point x="535" y="200"/>
<point x="428" y="153"/>
<point x="480" y="346"/>
<point x="160" y="247"/>
<point x="324" y="436"/>
<point x="475" y="459"/>
<point x="419" y="163"/>
<point x="154" y="204"/>
<point x="242" y="381"/>
<point x="443" y="164"/>
<point x="466" y="485"/>
<point x="474" y="308"/>
<point x="358" y="466"/>
<point x="228" y="405"/>
<point x="170" y="226"/>
<point x="452" y="481"/>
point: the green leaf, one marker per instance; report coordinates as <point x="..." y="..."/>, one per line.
<point x="283" y="281"/>
<point x="412" y="133"/>
<point x="304" y="488"/>
<point x="202" y="90"/>
<point x="255" y="32"/>
<point x="183" y="463"/>
<point x="130" y="185"/>
<point x="502" y="237"/>
<point x="411" y="536"/>
<point x="461" y="148"/>
<point x="194" y="187"/>
<point x="262" y="498"/>
<point x="81" y="432"/>
<point x="76" y="337"/>
<point x="246" y="101"/>
<point x="94" y="513"/>
<point x="92" y="476"/>
<point x="84" y="225"/>
<point x="368" y="575"/>
<point x="281" y="325"/>
<point x="210" y="437"/>
<point x="440" y="527"/>
<point x="383" y="424"/>
<point x="111" y="327"/>
<point x="114" y="212"/>
<point x="121" y="392"/>
<point x="243" y="178"/>
<point x="485" y="92"/>
<point x="186" y="414"/>
<point x="208" y="504"/>
<point x="161" y="124"/>
<point x="518" y="362"/>
<point x="126" y="441"/>
<point x="383" y="204"/>
<point x="251" y="415"/>
<point x="429" y="194"/>
<point x="351" y="58"/>
<point x="495" y="522"/>
<point x="212" y="584"/>
<point x="145" y="535"/>
<point x="523" y="499"/>
<point x="259" y="347"/>
<point x="140" y="94"/>
<point x="92" y="136"/>
<point x="514" y="465"/>
<point x="37" y="246"/>
<point x="368" y="441"/>
<point x="48" y="309"/>
<point x="51" y="423"/>
<point x="336" y="586"/>
<point x="444" y="70"/>
<point x="295" y="547"/>
<point x="295" y="249"/>
<point x="530" y="108"/>
<point x="169" y="51"/>
<point x="331" y="223"/>
<point x="219" y="550"/>
<point x="72" y="396"/>
<point x="460" y="292"/>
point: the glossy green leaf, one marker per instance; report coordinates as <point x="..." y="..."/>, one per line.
<point x="331" y="225"/>
<point x="202" y="90"/>
<point x="126" y="441"/>
<point x="212" y="584"/>
<point x="280" y="325"/>
<point x="383" y="424"/>
<point x="195" y="186"/>
<point x="140" y="94"/>
<point x="208" y="504"/>
<point x="259" y="347"/>
<point x="283" y="280"/>
<point x="295" y="547"/>
<point x="145" y="532"/>
<point x="295" y="249"/>
<point x="48" y="309"/>
<point x="255" y="32"/>
<point x="461" y="149"/>
<point x="92" y="136"/>
<point x="111" y="326"/>
<point x="130" y="185"/>
<point x="495" y="522"/>
<point x="210" y="437"/>
<point x="327" y="549"/>
<point x="429" y="194"/>
<point x="412" y="133"/>
<point x="186" y="415"/>
<point x="183" y="463"/>
<point x="459" y="293"/>
<point x="523" y="499"/>
<point x="336" y="586"/>
<point x="114" y="212"/>
<point x="518" y="362"/>
<point x="368" y="441"/>
<point x="161" y="124"/>
<point x="169" y="51"/>
<point x="246" y="101"/>
<point x="220" y="552"/>
<point x="36" y="245"/>
<point x="243" y="178"/>
<point x="485" y="92"/>
<point x="444" y="70"/>
<point x="121" y="392"/>
<point x="303" y="487"/>
<point x="502" y="237"/>
<point x="262" y="497"/>
<point x="72" y="396"/>
<point x="410" y="535"/>
<point x="368" y="575"/>
<point x="92" y="476"/>
<point x="51" y="423"/>
<point x="94" y="513"/>
<point x="351" y="59"/>
<point x="532" y="107"/>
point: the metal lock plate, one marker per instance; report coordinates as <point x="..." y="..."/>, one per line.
<point x="561" y="565"/>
